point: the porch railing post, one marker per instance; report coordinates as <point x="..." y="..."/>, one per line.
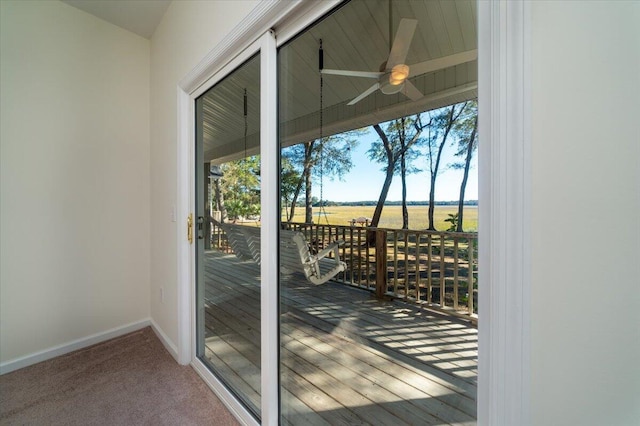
<point x="381" y="263"/>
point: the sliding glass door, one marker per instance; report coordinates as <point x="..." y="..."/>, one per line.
<point x="227" y="223"/>
<point x="325" y="291"/>
<point x="367" y="96"/>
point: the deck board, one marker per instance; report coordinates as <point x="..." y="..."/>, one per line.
<point x="347" y="358"/>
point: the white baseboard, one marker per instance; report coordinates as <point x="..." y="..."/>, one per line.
<point x="168" y="344"/>
<point x="25" y="361"/>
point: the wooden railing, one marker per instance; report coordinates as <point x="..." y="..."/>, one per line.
<point x="432" y="268"/>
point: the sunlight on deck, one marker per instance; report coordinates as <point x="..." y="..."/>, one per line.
<point x="346" y="357"/>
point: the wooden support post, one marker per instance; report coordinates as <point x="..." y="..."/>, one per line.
<point x="429" y="271"/>
<point x="406" y="263"/>
<point x="470" y="276"/>
<point x="381" y="263"/>
<point x="359" y="258"/>
<point x="367" y="269"/>
<point x="456" y="260"/>
<point x="418" y="241"/>
<point x="442" y="272"/>
<point x="395" y="263"/>
<point x="351" y="256"/>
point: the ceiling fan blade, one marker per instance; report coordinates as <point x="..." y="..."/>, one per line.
<point x="364" y="94"/>
<point x="401" y="42"/>
<point x="366" y="74"/>
<point x="411" y="91"/>
<point x="444" y="62"/>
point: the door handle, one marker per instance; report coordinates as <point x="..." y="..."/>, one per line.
<point x="190" y="228"/>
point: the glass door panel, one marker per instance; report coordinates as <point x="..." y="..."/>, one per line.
<point x="228" y="228"/>
<point x="369" y="328"/>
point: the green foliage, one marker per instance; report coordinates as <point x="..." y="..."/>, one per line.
<point x="332" y="154"/>
<point x="240" y="185"/>
<point x="402" y="135"/>
<point x="453" y="222"/>
<point x="329" y="157"/>
<point x="289" y="180"/>
<point x="462" y="131"/>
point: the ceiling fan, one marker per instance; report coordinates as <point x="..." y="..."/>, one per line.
<point x="394" y="72"/>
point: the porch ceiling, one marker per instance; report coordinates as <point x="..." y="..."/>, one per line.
<point x="355" y="37"/>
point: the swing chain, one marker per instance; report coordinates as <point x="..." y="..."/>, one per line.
<point x="321" y="209"/>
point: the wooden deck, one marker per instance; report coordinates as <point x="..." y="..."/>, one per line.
<point x="347" y="358"/>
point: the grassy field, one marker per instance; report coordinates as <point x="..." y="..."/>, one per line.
<point x="392" y="216"/>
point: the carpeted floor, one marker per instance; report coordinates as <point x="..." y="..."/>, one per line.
<point x="130" y="380"/>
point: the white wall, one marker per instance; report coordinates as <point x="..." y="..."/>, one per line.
<point x="586" y="207"/>
<point x="80" y="180"/>
<point x="74" y="177"/>
<point x="188" y="31"/>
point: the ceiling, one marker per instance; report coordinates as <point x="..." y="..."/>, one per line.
<point x="355" y="37"/>
<point x="138" y="16"/>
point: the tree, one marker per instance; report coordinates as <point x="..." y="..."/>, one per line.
<point x="301" y="158"/>
<point x="405" y="167"/>
<point x="332" y="155"/>
<point x="466" y="130"/>
<point x="394" y="147"/>
<point x="442" y="124"/>
<point x="240" y="186"/>
<point x="289" y="186"/>
<point x="219" y="200"/>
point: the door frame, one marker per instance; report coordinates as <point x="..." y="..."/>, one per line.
<point x="504" y="163"/>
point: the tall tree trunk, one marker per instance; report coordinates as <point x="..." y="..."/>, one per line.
<point x="463" y="185"/>
<point x="432" y="190"/>
<point x="294" y="200"/>
<point x="432" y="197"/>
<point x="388" y="178"/>
<point x="383" y="197"/>
<point x="391" y="164"/>
<point x="219" y="200"/>
<point x="375" y="220"/>
<point x="434" y="172"/>
<point x="403" y="176"/>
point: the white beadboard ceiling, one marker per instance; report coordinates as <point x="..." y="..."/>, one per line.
<point x="355" y="37"/>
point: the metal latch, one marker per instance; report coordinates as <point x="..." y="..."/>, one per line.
<point x="200" y="224"/>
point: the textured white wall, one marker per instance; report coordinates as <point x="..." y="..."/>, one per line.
<point x="586" y="208"/>
<point x="188" y="31"/>
<point x="74" y="177"/>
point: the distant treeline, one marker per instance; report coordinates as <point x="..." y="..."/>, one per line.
<point x="395" y="203"/>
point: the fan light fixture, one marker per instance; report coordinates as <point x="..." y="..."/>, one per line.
<point x="399" y="74"/>
<point x="393" y="75"/>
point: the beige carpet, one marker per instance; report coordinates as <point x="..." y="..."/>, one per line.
<point x="130" y="380"/>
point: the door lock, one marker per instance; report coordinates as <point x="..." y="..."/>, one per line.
<point x="200" y="225"/>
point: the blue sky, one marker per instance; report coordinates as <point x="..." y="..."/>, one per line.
<point x="365" y="180"/>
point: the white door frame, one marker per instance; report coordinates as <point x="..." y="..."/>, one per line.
<point x="504" y="193"/>
<point x="504" y="162"/>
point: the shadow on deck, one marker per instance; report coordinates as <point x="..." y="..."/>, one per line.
<point x="346" y="357"/>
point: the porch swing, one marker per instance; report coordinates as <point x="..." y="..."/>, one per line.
<point x="295" y="252"/>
